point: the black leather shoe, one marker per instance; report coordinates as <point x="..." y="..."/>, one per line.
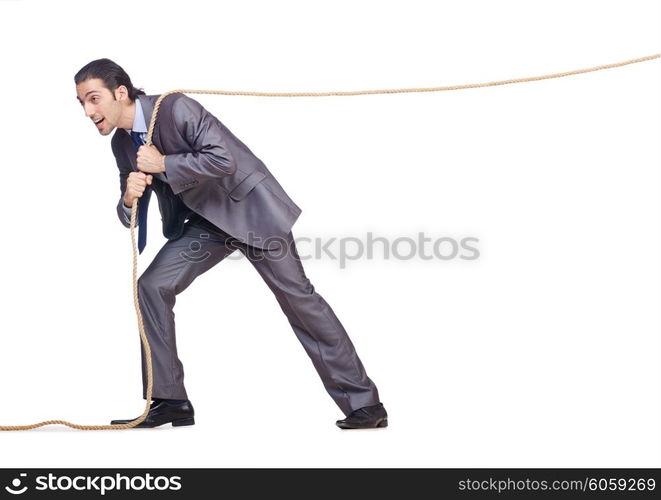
<point x="161" y="412"/>
<point x="367" y="417"/>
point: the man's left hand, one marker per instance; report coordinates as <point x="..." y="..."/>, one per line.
<point x="150" y="160"/>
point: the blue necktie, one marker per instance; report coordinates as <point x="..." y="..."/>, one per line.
<point x="144" y="201"/>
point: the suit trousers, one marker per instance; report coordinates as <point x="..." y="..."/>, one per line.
<point x="202" y="246"/>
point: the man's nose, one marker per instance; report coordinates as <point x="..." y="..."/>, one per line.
<point x="89" y="111"/>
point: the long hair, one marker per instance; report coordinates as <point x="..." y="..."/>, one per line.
<point x="112" y="75"/>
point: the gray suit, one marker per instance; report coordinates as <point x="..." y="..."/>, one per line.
<point x="219" y="197"/>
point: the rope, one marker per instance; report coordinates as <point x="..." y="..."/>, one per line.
<point x="145" y="343"/>
<point x="414" y="89"/>
<point x="134" y="208"/>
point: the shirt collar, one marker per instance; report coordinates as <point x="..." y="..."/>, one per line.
<point x="139" y="124"/>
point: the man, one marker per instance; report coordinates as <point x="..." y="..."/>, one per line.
<point x="215" y="196"/>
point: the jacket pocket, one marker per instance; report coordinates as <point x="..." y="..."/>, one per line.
<point x="246" y="185"/>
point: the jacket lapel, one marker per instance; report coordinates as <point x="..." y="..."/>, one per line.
<point x="130" y="150"/>
<point x="148" y="102"/>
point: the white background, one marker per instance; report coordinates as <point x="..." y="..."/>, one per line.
<point x="544" y="352"/>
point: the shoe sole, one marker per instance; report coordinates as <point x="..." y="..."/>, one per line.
<point x="183" y="421"/>
<point x="175" y="423"/>
<point x="381" y="423"/>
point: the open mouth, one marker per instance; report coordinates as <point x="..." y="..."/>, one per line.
<point x="97" y="122"/>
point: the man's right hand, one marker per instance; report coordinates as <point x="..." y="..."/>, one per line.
<point x="136" y="184"/>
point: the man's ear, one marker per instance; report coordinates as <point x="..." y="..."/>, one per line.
<point x="121" y="93"/>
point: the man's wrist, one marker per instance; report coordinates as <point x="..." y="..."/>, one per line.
<point x="163" y="164"/>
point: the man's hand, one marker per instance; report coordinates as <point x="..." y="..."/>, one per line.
<point x="150" y="160"/>
<point x="135" y="186"/>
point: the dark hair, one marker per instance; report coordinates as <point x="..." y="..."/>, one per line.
<point x="111" y="73"/>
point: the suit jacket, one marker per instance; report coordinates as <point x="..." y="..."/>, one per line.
<point x="210" y="172"/>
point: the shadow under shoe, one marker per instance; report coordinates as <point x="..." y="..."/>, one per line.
<point x="162" y="412"/>
<point x="367" y="417"/>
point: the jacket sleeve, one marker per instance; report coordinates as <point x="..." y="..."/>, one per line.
<point x="124" y="213"/>
<point x="203" y="132"/>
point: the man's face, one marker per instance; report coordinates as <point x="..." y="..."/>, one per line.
<point x="104" y="107"/>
